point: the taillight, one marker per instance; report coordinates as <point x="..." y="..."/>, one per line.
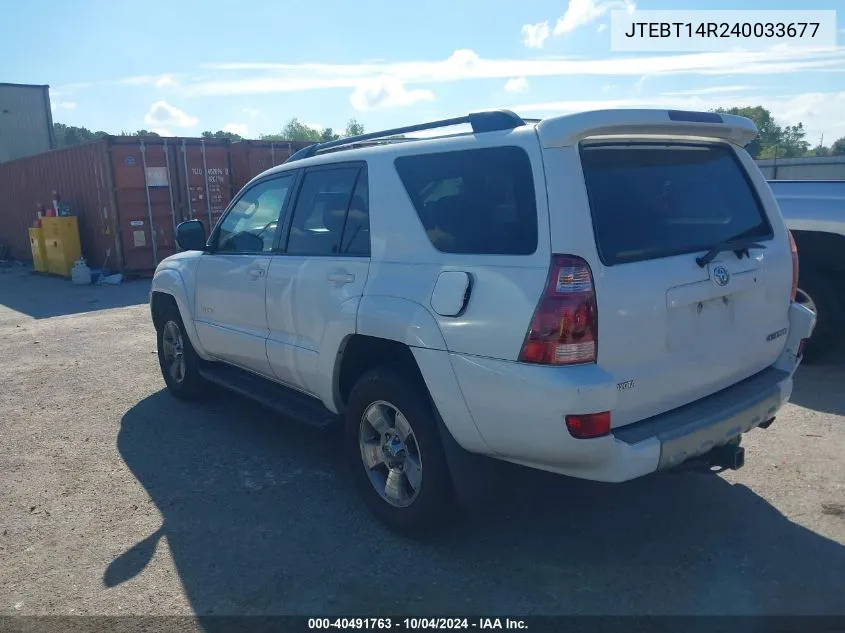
<point x="564" y="328"/>
<point x="793" y="247"/>
<point x="588" y="425"/>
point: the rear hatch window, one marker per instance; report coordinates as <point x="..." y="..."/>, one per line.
<point x="653" y="200"/>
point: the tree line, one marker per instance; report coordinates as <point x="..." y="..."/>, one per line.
<point x="773" y="141"/>
<point x="776" y="141"/>
<point x="293" y="130"/>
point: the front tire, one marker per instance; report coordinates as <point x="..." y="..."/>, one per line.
<point x="394" y="450"/>
<point x="177" y="359"/>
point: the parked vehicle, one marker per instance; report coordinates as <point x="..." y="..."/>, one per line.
<point x="601" y="295"/>
<point x="814" y="211"/>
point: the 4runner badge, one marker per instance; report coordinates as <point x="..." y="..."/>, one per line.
<point x="721" y="276"/>
<point x="778" y="334"/>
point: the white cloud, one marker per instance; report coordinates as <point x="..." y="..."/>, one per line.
<point x="159" y="81"/>
<point x="252" y="112"/>
<point x="601" y="27"/>
<point x="638" y="86"/>
<point x="535" y="35"/>
<point x="386" y="92"/>
<point x="582" y="12"/>
<point x="710" y="90"/>
<point x="465" y="65"/>
<point x="821" y="113"/>
<point x="162" y="131"/>
<point x="240" y="129"/>
<point x="63" y="105"/>
<point x="516" y="85"/>
<point x="163" y="114"/>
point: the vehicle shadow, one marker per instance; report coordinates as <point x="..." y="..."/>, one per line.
<point x="820" y="387"/>
<point x="41" y="296"/>
<point x="261" y="519"/>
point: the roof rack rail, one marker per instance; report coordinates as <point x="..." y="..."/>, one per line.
<point x="485" y="121"/>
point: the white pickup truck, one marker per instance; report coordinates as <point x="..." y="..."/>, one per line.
<point x="814" y="211"/>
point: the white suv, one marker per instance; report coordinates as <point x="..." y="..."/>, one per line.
<point x="601" y="295"/>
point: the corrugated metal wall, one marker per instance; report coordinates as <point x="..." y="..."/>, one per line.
<point x="250" y="158"/>
<point x="26" y="122"/>
<point x="811" y="168"/>
<point x="129" y="194"/>
<point x="81" y="177"/>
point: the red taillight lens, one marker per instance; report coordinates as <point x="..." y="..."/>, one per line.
<point x="589" y="425"/>
<point x="564" y="329"/>
<point x="801" y="347"/>
<point x="793" y="247"/>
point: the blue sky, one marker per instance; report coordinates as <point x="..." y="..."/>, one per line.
<point x="181" y="67"/>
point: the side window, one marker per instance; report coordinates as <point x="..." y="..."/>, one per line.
<point x="478" y="201"/>
<point x="251" y="224"/>
<point x="321" y="209"/>
<point x="356" y="233"/>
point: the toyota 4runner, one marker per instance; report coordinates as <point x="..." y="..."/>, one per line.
<point x="601" y="295"/>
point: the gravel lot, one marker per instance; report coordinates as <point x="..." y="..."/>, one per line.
<point x="117" y="499"/>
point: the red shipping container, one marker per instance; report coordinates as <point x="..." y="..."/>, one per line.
<point x="128" y="192"/>
<point x="250" y="158"/>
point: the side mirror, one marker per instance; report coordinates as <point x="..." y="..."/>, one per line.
<point x="190" y="236"/>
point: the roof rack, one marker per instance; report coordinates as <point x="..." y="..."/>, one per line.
<point x="486" y="121"/>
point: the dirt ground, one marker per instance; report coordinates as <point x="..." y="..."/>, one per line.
<point x="117" y="499"/>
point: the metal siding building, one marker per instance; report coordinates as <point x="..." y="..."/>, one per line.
<point x="808" y="168"/>
<point x="26" y="121"/>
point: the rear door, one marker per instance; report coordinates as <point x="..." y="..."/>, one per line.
<point x="641" y="211"/>
<point x="316" y="280"/>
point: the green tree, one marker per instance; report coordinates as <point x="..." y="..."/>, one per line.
<point x="769" y="131"/>
<point x="296" y="130"/>
<point x="221" y="134"/>
<point x="353" y="128"/>
<point x="67" y="135"/>
<point x="328" y="135"/>
<point x="838" y="147"/>
<point x="144" y="133"/>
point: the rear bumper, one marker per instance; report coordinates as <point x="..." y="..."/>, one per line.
<point x="519" y="410"/>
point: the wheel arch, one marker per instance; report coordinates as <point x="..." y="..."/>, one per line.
<point x="169" y="288"/>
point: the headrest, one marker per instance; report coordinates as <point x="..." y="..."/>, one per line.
<point x="334" y="210"/>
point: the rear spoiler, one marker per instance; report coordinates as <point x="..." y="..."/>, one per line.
<point x="568" y="130"/>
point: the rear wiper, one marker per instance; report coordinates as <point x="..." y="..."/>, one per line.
<point x="738" y="246"/>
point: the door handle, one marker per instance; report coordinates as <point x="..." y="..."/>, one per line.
<point x="340" y="277"/>
<point x="255" y="273"/>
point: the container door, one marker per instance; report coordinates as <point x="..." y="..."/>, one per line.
<point x="205" y="181"/>
<point x="144" y="191"/>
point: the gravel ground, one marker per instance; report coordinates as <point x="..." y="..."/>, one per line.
<point x="117" y="499"/>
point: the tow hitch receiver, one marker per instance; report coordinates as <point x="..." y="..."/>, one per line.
<point x="727" y="457"/>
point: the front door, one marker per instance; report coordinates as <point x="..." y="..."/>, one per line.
<point x="315" y="282"/>
<point x="230" y="314"/>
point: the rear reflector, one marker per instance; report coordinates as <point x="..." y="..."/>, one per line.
<point x="588" y="425"/>
<point x="564" y="328"/>
<point x="801" y="347"/>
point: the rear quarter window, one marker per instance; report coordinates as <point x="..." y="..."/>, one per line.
<point x="653" y="200"/>
<point x="478" y="201"/>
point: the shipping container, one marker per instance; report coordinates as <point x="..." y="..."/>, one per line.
<point x="250" y="158"/>
<point x="26" y="121"/>
<point x="129" y="194"/>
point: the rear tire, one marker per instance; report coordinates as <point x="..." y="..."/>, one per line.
<point x="394" y="450"/>
<point x="819" y="292"/>
<point x="177" y="359"/>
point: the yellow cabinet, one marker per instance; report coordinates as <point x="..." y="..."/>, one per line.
<point x="39" y="254"/>
<point x="61" y="243"/>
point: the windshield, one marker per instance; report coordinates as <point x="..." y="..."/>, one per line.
<point x="652" y="200"/>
